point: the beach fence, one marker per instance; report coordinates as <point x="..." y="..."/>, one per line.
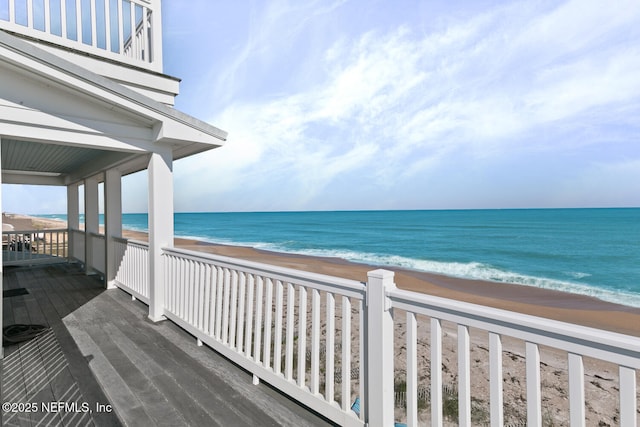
<point x="412" y="358"/>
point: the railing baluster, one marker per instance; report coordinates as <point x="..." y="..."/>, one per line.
<point x="170" y="282"/>
<point x="213" y="283"/>
<point x="249" y="321"/>
<point x="412" y="370"/>
<point x="241" y="304"/>
<point x="268" y="315"/>
<point x="47" y="16"/>
<point x="12" y="12"/>
<point x="193" y="290"/>
<point x="78" y="21"/>
<point x="93" y="18"/>
<point x="330" y="348"/>
<point x="219" y="297"/>
<point x="257" y="350"/>
<point x="181" y="288"/>
<point x="226" y="294"/>
<point x="361" y="378"/>
<point x="534" y="403"/>
<point x="302" y="336"/>
<point x="202" y="298"/>
<point x="495" y="373"/>
<point x="29" y="13"/>
<point x="64" y="31"/>
<point x="436" y="372"/>
<point x="120" y="27"/>
<point x="576" y="390"/>
<point x="107" y="24"/>
<point x="233" y="309"/>
<point x="132" y="19"/>
<point x="464" y="377"/>
<point x="346" y="353"/>
<point x="143" y="26"/>
<point x="188" y="315"/>
<point x="315" y="341"/>
<point x="277" y="340"/>
<point x="291" y="293"/>
<point x="628" y="402"/>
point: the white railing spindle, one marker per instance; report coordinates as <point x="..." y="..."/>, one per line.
<point x="290" y="326"/>
<point x="330" y="348"/>
<point x="315" y="341"/>
<point x="464" y="377"/>
<point x="576" y="390"/>
<point x="346" y="353"/>
<point x="628" y="401"/>
<point x="302" y="336"/>
<point x="277" y="340"/>
<point x="495" y="373"/>
<point x="412" y="370"/>
<point x="436" y="372"/>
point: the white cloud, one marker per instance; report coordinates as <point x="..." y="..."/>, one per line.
<point x="511" y="79"/>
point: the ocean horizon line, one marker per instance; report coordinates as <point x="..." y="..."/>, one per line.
<point x="369" y="210"/>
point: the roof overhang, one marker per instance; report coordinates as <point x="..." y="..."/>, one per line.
<point x="60" y="123"/>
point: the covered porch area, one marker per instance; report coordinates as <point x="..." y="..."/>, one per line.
<point x="63" y="125"/>
<point x="111" y="366"/>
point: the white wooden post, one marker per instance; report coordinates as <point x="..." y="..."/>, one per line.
<point x="73" y="215"/>
<point x="112" y="222"/>
<point x="155" y="56"/>
<point x="91" y="222"/>
<point x="379" y="350"/>
<point x="160" y="226"/>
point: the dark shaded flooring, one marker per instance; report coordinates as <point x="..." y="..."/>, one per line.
<point x="102" y="350"/>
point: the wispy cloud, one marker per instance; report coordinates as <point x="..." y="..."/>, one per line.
<point x="391" y="107"/>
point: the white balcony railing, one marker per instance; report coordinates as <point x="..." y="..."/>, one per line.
<point x="127" y="31"/>
<point x="327" y="342"/>
<point x="34" y="246"/>
<point x="76" y="238"/>
<point x="131" y="267"/>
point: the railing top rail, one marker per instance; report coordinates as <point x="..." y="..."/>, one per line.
<point x="133" y="242"/>
<point x="347" y="287"/>
<point x="34" y="231"/>
<point x="591" y="342"/>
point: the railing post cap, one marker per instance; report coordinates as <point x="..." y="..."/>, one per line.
<point x="381" y="274"/>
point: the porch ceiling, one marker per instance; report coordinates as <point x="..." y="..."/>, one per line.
<point x="61" y="123"/>
<point x="27" y="162"/>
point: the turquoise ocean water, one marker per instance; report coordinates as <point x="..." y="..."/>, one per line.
<point x="586" y="251"/>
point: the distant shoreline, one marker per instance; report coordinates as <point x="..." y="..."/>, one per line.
<point x="558" y="305"/>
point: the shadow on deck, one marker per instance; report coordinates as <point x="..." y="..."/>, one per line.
<point x="102" y="350"/>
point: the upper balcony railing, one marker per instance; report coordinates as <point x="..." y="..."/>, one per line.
<point x="127" y="31"/>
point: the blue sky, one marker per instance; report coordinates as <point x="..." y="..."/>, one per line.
<point x="405" y="104"/>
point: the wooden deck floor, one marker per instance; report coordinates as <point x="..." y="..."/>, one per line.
<point x="102" y="350"/>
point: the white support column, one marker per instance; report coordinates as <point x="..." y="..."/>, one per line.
<point x="379" y="347"/>
<point x="91" y="219"/>
<point x="112" y="222"/>
<point x="73" y="207"/>
<point x="73" y="215"/>
<point x="160" y="226"/>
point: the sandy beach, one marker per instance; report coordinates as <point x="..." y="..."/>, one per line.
<point x="601" y="391"/>
<point x="563" y="306"/>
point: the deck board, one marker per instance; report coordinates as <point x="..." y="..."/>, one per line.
<point x="103" y="349"/>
